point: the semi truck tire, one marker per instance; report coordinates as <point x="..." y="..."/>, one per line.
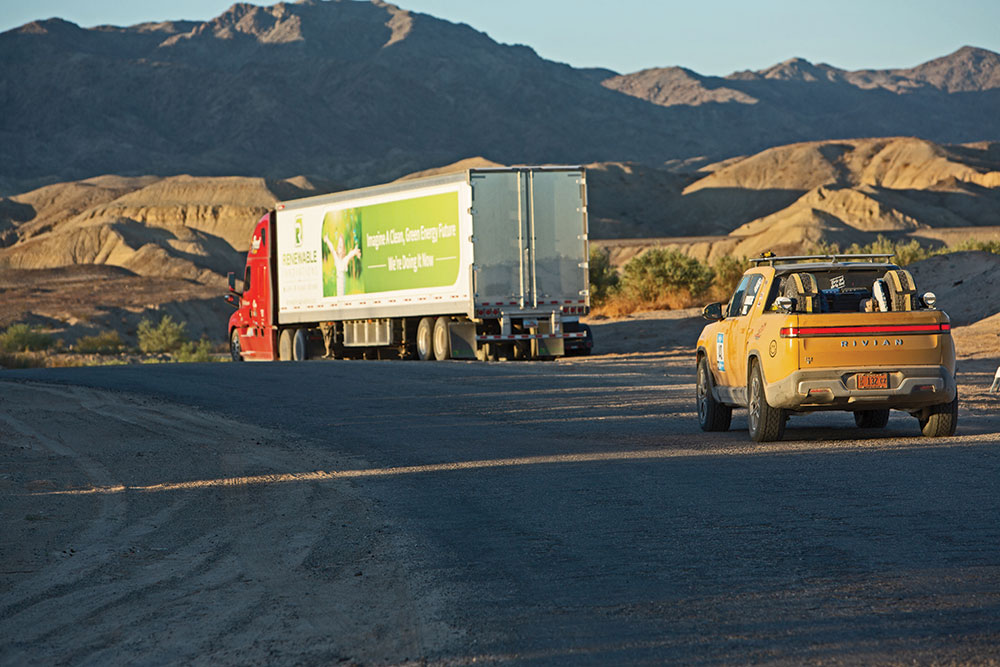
<point x="425" y="339"/>
<point x="285" y="345"/>
<point x="442" y="339"/>
<point x="234" y="346"/>
<point x="300" y="345"/>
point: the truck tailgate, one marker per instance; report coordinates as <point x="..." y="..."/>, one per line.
<point x="871" y="340"/>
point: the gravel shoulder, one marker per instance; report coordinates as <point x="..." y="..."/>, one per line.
<point x="230" y="569"/>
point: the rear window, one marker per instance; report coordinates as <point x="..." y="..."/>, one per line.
<point x="842" y="290"/>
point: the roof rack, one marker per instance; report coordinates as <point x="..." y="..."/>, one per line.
<point x="771" y="258"/>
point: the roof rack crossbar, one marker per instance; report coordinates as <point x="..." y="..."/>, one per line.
<point x="829" y="257"/>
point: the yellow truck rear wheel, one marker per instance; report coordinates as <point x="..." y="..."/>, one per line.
<point x="765" y="422"/>
<point x="939" y="421"/>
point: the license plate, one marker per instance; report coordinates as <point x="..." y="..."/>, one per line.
<point x="872" y="380"/>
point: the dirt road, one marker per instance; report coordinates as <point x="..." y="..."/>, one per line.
<point x="567" y="512"/>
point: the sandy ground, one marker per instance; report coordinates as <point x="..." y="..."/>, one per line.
<point x="194" y="573"/>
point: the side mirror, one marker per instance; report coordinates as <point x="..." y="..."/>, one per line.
<point x="784" y="304"/>
<point x="712" y="312"/>
<point x="232" y="282"/>
<point x="232" y="299"/>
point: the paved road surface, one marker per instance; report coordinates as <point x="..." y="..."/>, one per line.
<point x="567" y="513"/>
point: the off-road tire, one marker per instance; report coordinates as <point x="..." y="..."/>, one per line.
<point x="765" y="423"/>
<point x="234" y="346"/>
<point x="712" y="415"/>
<point x="425" y="339"/>
<point x="939" y="421"/>
<point x="871" y="418"/>
<point x="901" y="299"/>
<point x="285" y="345"/>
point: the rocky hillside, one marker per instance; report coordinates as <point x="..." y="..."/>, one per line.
<point x="786" y="197"/>
<point x="108" y="251"/>
<point x="366" y="92"/>
<point x="180" y="227"/>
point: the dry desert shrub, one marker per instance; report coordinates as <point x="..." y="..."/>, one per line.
<point x="22" y="360"/>
<point x="167" y="336"/>
<point x="25" y="338"/>
<point x="660" y="279"/>
<point x="107" y="342"/>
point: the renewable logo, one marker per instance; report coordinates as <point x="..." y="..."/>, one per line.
<point x="298" y="231"/>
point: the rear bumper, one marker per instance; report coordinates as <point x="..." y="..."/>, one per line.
<point x="910" y="387"/>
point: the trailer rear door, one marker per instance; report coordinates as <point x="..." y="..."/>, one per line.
<point x="558" y="230"/>
<point x="531" y="237"/>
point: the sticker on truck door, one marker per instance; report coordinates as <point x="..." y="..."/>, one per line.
<point x="720" y="352"/>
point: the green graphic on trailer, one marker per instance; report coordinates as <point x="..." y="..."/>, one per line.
<point x="397" y="245"/>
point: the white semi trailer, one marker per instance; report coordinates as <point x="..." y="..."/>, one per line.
<point x="485" y="263"/>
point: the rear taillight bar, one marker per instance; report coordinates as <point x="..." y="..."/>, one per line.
<point x="869" y="330"/>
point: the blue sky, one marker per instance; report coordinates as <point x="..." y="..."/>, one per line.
<point x="710" y="37"/>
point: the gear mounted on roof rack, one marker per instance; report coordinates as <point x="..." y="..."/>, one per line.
<point x="771" y="258"/>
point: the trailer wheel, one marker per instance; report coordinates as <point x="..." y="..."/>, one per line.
<point x="300" y="345"/>
<point x="442" y="339"/>
<point x="285" y="345"/>
<point x="234" y="346"/>
<point x="425" y="339"/>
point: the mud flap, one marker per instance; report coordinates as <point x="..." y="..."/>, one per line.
<point x="547" y="347"/>
<point x="463" y="340"/>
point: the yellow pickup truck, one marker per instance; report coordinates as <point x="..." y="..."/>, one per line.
<point x="830" y="332"/>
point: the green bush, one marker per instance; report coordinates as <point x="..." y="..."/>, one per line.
<point x="659" y="271"/>
<point x="984" y="246"/>
<point x="103" y="343"/>
<point x="728" y="273"/>
<point x="906" y="252"/>
<point x="167" y="336"/>
<point x="192" y="352"/>
<point x="603" y="277"/>
<point x="903" y="252"/>
<point x="24" y="338"/>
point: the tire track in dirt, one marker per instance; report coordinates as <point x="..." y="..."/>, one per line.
<point x="240" y="572"/>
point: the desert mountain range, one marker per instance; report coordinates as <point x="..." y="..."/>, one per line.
<point x="366" y="92"/>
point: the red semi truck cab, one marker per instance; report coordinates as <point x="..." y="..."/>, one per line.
<point x="253" y="327"/>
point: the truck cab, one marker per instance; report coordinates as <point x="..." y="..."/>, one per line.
<point x="252" y="330"/>
<point x="835" y="332"/>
